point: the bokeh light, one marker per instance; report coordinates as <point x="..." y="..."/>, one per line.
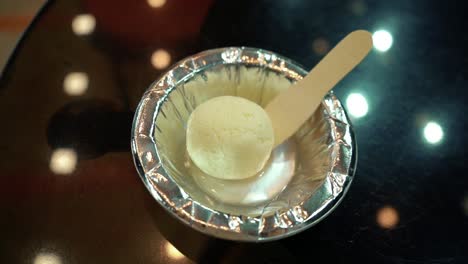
<point x="47" y="258"/>
<point x="382" y="40"/>
<point x="75" y="83"/>
<point x="357" y="105"/>
<point x="156" y="3"/>
<point x="433" y="133"/>
<point x="387" y="217"/>
<point x="63" y="161"/>
<point x="173" y="252"/>
<point x="160" y="59"/>
<point x="83" y="24"/>
<point x="320" y="46"/>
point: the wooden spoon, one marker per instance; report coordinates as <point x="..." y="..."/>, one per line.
<point x="291" y="108"/>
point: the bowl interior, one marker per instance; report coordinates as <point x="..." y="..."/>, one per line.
<point x="306" y="155"/>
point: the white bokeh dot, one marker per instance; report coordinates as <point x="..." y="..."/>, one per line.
<point x="433" y="133"/>
<point x="47" y="258"/>
<point x="83" y="24"/>
<point x="75" y="83"/>
<point x="382" y="40"/>
<point x="172" y="252"/>
<point x="357" y="105"/>
<point x="156" y="3"/>
<point x="160" y="59"/>
<point x="63" y="161"/>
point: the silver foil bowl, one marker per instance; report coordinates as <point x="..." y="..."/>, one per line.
<point x="320" y="157"/>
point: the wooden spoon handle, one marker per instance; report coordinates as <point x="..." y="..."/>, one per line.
<point x="291" y="108"/>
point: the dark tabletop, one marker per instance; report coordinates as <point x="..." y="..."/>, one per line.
<point x="69" y="191"/>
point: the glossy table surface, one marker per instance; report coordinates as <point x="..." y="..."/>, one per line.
<point x="70" y="192"/>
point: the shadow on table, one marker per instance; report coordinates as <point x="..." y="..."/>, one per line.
<point x="205" y="249"/>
